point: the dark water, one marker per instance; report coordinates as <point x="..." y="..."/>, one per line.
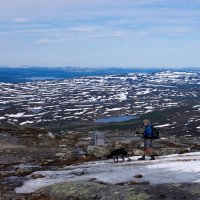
<point x="43" y="78"/>
<point x="25" y="74"/>
<point x="116" y="119"/>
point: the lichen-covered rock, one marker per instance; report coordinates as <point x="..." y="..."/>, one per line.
<point x="35" y="176"/>
<point x="83" y="143"/>
<point x="168" y="151"/>
<point x="138" y="152"/>
<point x="51" y="135"/>
<point x="67" y="154"/>
<point x="109" y="147"/>
<point x="98" y="151"/>
<point x="86" y="190"/>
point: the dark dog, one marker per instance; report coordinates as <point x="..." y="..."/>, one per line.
<point x="119" y="153"/>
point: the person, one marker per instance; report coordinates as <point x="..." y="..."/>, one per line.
<point x="148" y="140"/>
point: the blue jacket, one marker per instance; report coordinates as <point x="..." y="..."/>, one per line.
<point x="148" y="132"/>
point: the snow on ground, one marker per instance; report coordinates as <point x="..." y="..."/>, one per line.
<point x="18" y="115"/>
<point x="163" y="125"/>
<point x="122" y="96"/>
<point x="197" y="106"/>
<point x="27" y="122"/>
<point x="175" y="168"/>
<point x="114" y="109"/>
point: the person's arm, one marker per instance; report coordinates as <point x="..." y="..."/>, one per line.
<point x="145" y="135"/>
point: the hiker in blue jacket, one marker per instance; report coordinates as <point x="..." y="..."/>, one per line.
<point x="148" y="140"/>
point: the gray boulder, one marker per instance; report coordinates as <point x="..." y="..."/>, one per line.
<point x="138" y="152"/>
<point x="98" y="151"/>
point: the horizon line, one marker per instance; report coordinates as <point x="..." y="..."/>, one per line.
<point x="99" y="67"/>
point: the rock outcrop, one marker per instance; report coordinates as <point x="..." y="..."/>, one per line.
<point x="88" y="190"/>
<point x="98" y="151"/>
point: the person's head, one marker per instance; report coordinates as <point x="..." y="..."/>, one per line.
<point x="146" y="122"/>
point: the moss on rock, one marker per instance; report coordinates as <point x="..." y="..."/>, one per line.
<point x="84" y="190"/>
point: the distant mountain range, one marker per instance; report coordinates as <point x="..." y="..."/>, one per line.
<point x="31" y="73"/>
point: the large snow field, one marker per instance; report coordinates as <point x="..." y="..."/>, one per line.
<point x="175" y="168"/>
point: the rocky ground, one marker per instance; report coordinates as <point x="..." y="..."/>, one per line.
<point x="23" y="151"/>
<point x="27" y="150"/>
<point x="131" y="191"/>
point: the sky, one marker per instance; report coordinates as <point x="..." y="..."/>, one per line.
<point x="100" y="33"/>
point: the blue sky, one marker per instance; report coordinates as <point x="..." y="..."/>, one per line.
<point x="93" y="33"/>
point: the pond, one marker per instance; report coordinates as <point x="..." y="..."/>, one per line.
<point x="122" y="118"/>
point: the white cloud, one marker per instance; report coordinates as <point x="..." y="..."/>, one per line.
<point x="44" y="41"/>
<point x="21" y="20"/>
<point x="82" y="29"/>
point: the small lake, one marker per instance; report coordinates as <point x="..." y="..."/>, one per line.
<point x="122" y="118"/>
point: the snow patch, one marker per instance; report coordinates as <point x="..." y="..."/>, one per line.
<point x="164" y="125"/>
<point x="18" y="115"/>
<point x="175" y="168"/>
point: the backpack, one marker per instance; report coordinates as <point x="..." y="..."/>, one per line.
<point x="156" y="133"/>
